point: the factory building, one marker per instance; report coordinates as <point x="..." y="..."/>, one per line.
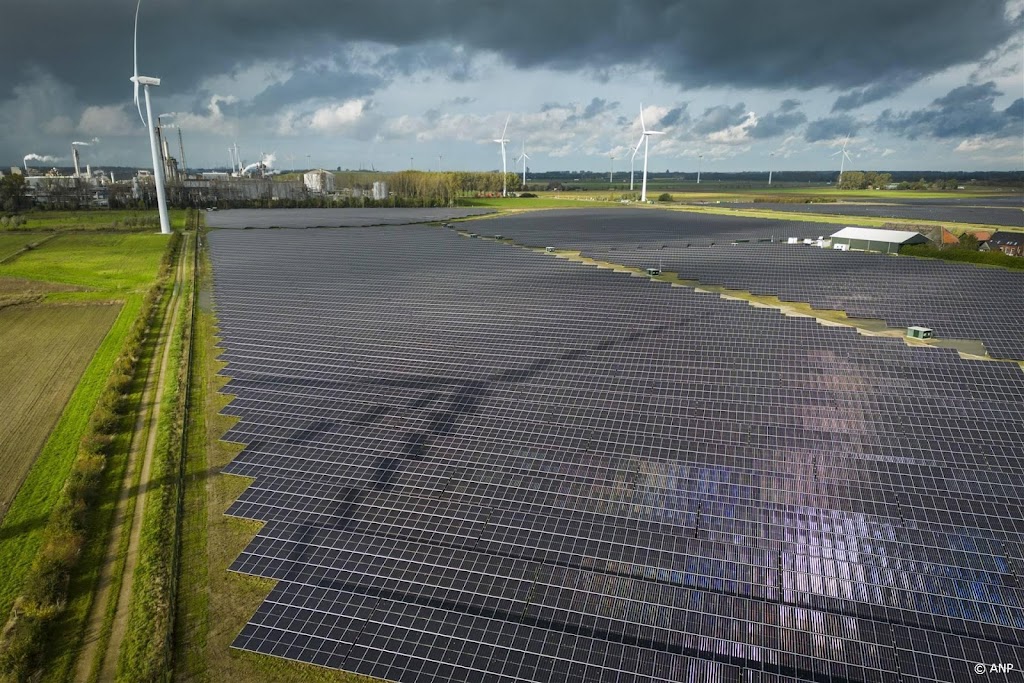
<point x="380" y="190"/>
<point x="871" y="239"/>
<point x="319" y="181"/>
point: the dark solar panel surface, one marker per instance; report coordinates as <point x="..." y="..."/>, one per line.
<point x="331" y="218"/>
<point x="478" y="463"/>
<point x="624" y="228"/>
<point x="958" y="301"/>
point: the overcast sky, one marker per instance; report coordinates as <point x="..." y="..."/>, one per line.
<point x="916" y="84"/>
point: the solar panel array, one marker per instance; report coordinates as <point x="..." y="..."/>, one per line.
<point x="630" y="228"/>
<point x="958" y="301"/>
<point x="332" y="218"/>
<point x="479" y="463"/>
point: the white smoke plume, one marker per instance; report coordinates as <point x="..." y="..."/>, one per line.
<point x="44" y="158"/>
<point x="86" y="144"/>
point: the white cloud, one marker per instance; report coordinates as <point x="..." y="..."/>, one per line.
<point x="338" y="117"/>
<point x="213" y="121"/>
<point x="734" y="135"/>
<point x="981" y="143"/>
<point x="110" y="120"/>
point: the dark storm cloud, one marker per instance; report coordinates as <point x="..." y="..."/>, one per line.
<point x="721" y="117"/>
<point x="831" y="128"/>
<point x="693" y="43"/>
<point x="674" y="116"/>
<point x="779" y="122"/>
<point x="598" y="106"/>
<point x="872" y="93"/>
<point x="963" y="112"/>
<point x="310" y="83"/>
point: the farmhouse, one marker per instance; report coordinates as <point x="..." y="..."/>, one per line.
<point x="871" y="239"/>
<point x="1010" y="243"/>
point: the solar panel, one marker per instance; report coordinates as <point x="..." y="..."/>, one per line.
<point x="480" y="463"/>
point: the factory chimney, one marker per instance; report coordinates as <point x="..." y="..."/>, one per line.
<point x="74" y="155"/>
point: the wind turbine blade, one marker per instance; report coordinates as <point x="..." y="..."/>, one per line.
<point x="505" y="129"/>
<point x="642" y="126"/>
<point x="136" y="51"/>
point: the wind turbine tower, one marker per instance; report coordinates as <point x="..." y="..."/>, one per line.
<point x="700" y="158"/>
<point x="632" y="159"/>
<point x="771" y="155"/>
<point x="158" y="166"/>
<point x="611" y="170"/>
<point x="504" y="170"/>
<point x="646" y="136"/>
<point x="524" y="157"/>
<point x="843" y="157"/>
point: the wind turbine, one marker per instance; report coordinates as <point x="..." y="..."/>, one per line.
<point x="843" y="158"/>
<point x="611" y="170"/>
<point x="645" y="136"/>
<point x="631" y="159"/>
<point x="501" y="141"/>
<point x="771" y="155"/>
<point x="158" y="166"/>
<point x="524" y="157"/>
<point x="700" y="158"/>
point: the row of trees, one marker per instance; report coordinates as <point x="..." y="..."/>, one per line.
<point x="868" y="180"/>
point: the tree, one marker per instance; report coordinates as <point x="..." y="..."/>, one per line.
<point x="969" y="241"/>
<point x="13" y="193"/>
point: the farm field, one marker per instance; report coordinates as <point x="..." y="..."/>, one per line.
<point x="128" y="220"/>
<point x="45" y="351"/>
<point x="11" y="243"/>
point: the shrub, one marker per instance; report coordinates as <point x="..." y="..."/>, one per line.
<point x="664" y="197"/>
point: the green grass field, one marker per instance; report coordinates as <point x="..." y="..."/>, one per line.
<point x="11" y="243"/>
<point x="109" y="266"/>
<point x="100" y="219"/>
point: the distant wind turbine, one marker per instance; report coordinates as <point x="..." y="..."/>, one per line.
<point x="504" y="170"/>
<point x="158" y="166"/>
<point x="524" y="157"/>
<point x="700" y="158"/>
<point x="611" y="170"/>
<point x="843" y="158"/>
<point x="646" y="136"/>
<point x="771" y="155"/>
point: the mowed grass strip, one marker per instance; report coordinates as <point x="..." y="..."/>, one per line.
<point x="21" y="529"/>
<point x="45" y="350"/>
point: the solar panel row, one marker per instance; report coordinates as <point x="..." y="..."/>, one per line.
<point x="478" y="463"/>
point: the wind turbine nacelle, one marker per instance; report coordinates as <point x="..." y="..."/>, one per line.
<point x="145" y="80"/>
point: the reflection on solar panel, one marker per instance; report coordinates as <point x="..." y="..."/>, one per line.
<point x="478" y="463"/>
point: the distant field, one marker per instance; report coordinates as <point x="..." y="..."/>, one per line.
<point x="100" y="219"/>
<point x="45" y="350"/>
<point x="10" y="243"/>
<point x="111" y="265"/>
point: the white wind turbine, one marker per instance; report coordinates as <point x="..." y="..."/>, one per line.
<point x="843" y="158"/>
<point x="611" y="169"/>
<point x="504" y="170"/>
<point x="158" y="166"/>
<point x="524" y="157"/>
<point x="632" y="158"/>
<point x="645" y="136"/>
